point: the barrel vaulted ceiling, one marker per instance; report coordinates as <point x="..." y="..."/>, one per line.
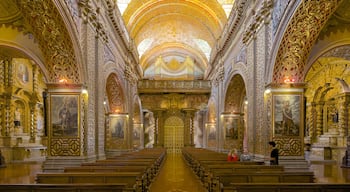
<point x="174" y="38"/>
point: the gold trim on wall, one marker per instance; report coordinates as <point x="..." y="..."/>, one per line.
<point x="64" y="124"/>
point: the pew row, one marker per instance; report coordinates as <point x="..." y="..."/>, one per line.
<point x="137" y="170"/>
<point x="115" y="187"/>
<point x="286" y="187"/>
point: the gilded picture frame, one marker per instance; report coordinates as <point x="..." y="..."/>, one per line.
<point x="231" y="125"/>
<point x="64" y="115"/>
<point x="118" y="126"/>
<point x="287" y="114"/>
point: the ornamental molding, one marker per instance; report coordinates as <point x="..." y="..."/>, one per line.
<point x="47" y="26"/>
<point x="230" y="31"/>
<point x="300" y="35"/>
<point x="260" y="18"/>
<point x="174" y="86"/>
<point x="130" y="75"/>
<point x="92" y="15"/>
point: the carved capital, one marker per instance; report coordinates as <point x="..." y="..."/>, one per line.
<point x="262" y="15"/>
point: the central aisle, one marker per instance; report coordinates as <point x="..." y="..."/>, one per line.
<point x="176" y="176"/>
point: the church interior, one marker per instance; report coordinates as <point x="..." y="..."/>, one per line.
<point x="168" y="88"/>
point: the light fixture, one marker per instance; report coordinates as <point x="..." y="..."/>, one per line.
<point x="63" y="80"/>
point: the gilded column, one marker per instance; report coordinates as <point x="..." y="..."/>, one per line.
<point x="8" y="118"/>
<point x="319" y="118"/>
<point x="343" y="114"/>
<point x="313" y="121"/>
<point x="32" y="120"/>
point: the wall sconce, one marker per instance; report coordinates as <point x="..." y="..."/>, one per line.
<point x="289" y="80"/>
<point x="63" y="80"/>
<point x="84" y="91"/>
<point x="267" y="91"/>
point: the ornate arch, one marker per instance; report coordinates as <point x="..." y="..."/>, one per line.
<point x="300" y="35"/>
<point x="115" y="94"/>
<point x="45" y="22"/>
<point x="235" y="95"/>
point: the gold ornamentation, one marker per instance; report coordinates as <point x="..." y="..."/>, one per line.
<point x="50" y="30"/>
<point x="300" y="35"/>
<point x="115" y="94"/>
<point x="261" y="16"/>
<point x="65" y="147"/>
<point x="289" y="146"/>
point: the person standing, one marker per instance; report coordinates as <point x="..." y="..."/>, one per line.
<point x="274" y="153"/>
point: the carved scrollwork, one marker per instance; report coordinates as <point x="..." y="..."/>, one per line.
<point x="53" y="38"/>
<point x="300" y="35"/>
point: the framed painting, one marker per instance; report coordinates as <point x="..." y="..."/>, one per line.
<point x="64" y="118"/>
<point x="287" y="114"/>
<point x="231" y="127"/>
<point x="118" y="125"/>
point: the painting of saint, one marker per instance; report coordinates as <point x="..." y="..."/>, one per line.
<point x="22" y="73"/>
<point x="287" y="115"/>
<point x="64" y="115"/>
<point x="117" y="126"/>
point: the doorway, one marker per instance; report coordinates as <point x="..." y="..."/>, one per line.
<point x="174" y="134"/>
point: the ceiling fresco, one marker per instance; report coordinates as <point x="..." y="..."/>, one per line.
<point x="174" y="38"/>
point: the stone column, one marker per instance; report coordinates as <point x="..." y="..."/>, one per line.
<point x="159" y="127"/>
<point x="188" y="129"/>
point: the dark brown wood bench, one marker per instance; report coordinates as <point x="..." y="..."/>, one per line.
<point x="148" y="173"/>
<point x="218" y="180"/>
<point x="287" y="187"/>
<point x="115" y="187"/>
<point x="132" y="179"/>
<point x="237" y="168"/>
<point x="106" y="169"/>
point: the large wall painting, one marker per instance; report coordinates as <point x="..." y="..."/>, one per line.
<point x="286" y="115"/>
<point x="118" y="126"/>
<point x="64" y="115"/>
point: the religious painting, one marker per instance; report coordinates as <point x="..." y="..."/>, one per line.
<point x="118" y="125"/>
<point x="286" y="115"/>
<point x="231" y="126"/>
<point x="211" y="131"/>
<point x="22" y="73"/>
<point x="136" y="131"/>
<point x="64" y="115"/>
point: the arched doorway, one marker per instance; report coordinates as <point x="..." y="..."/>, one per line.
<point x="174" y="134"/>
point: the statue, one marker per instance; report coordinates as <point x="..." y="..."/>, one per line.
<point x="17" y="121"/>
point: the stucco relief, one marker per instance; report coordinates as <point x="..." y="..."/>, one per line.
<point x="278" y="11"/>
<point x="250" y="95"/>
<point x="259" y="89"/>
<point x="53" y="38"/>
<point x="300" y="35"/>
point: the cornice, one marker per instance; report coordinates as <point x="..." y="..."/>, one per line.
<point x="47" y="26"/>
<point x="128" y="46"/>
<point x="229" y="32"/>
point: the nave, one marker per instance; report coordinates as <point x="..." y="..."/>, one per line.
<point x="174" y="175"/>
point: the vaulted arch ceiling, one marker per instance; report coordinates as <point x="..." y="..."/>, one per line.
<point x="174" y="30"/>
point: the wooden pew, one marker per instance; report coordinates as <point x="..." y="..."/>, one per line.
<point x="286" y="187"/>
<point x="106" y="169"/>
<point x="133" y="180"/>
<point x="147" y="172"/>
<point x="115" y="187"/>
<point x="207" y="170"/>
<point x="220" y="180"/>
